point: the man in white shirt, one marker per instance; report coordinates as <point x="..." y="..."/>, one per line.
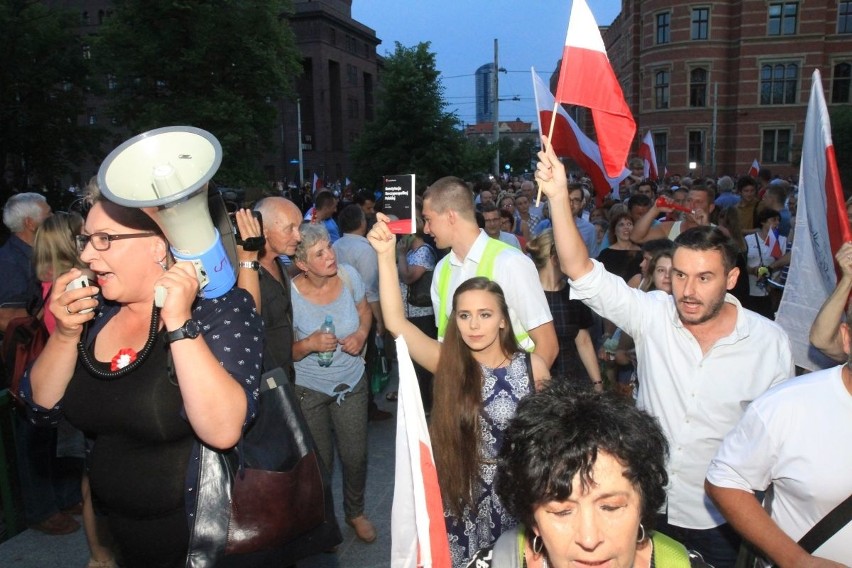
<point x="701" y="357"/>
<point x="795" y="437"/>
<point x="491" y="216"/>
<point x="449" y="216"/>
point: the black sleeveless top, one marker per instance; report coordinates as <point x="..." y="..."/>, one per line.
<point x="142" y="440"/>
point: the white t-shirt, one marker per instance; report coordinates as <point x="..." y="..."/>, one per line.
<point x="697" y="398"/>
<point x="513" y="271"/>
<point x="798" y="437"/>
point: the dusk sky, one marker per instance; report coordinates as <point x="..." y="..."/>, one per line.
<point x="462" y="34"/>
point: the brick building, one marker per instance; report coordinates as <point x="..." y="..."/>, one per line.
<point x="747" y="63"/>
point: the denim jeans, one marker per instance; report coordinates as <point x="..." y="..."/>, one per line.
<point x="719" y="546"/>
<point x="345" y="424"/>
<point x="48" y="483"/>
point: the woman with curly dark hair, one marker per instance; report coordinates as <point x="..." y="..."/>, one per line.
<point x="585" y="474"/>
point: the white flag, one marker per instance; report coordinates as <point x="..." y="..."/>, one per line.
<point x="821" y="227"/>
<point x="418" y="531"/>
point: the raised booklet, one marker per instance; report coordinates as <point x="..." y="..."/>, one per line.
<point x="399" y="203"/>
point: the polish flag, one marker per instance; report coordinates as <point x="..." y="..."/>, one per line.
<point x="586" y="78"/>
<point x="649" y="157"/>
<point x="821" y="227"/>
<point x="317" y="185"/>
<point x="418" y="531"/>
<point x="773" y="244"/>
<point x="569" y="141"/>
<point x="754" y="169"/>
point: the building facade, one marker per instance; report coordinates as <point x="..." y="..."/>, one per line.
<point x="336" y="91"/>
<point x="722" y="83"/>
<point x="484" y="88"/>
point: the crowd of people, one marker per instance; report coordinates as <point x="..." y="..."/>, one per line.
<point x="603" y="379"/>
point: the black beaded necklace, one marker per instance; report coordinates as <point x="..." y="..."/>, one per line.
<point x="99" y="373"/>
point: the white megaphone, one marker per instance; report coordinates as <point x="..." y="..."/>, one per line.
<point x="165" y="172"/>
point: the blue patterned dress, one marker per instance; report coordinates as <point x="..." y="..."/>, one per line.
<point x="502" y="388"/>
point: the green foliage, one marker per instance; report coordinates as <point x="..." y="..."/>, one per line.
<point x="220" y="65"/>
<point x="411" y="132"/>
<point x="41" y="94"/>
<point x="841" y="135"/>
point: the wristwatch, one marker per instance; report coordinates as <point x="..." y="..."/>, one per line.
<point x="189" y="330"/>
<point x="251" y="264"/>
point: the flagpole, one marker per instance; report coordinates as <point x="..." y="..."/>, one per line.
<point x="549" y="137"/>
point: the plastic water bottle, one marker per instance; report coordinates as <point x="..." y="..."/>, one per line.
<point x="325" y="357"/>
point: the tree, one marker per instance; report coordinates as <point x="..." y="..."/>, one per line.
<point x="411" y="132"/>
<point x="41" y="95"/>
<point x="220" y="65"/>
<point x="841" y="136"/>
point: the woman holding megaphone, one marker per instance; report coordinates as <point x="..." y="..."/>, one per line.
<point x="146" y="384"/>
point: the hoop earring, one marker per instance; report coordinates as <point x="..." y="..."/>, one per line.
<point x="537" y="545"/>
<point x="642" y="537"/>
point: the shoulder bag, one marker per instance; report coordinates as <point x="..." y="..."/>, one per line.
<point x="23" y="341"/>
<point x="270" y="493"/>
<point x="420" y="291"/>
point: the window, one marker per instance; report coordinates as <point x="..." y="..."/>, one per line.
<point x="698" y="87"/>
<point x="782" y="18"/>
<point x="352" y="74"/>
<point x="87" y="51"/>
<point x="352" y="104"/>
<point x="776" y="146"/>
<point x="778" y="83"/>
<point x="841" y="82"/>
<point x="844" y="17"/>
<point x="661" y="89"/>
<point x="696" y="146"/>
<point x="663" y="27"/>
<point x="92" y="118"/>
<point x="661" y="149"/>
<point x="700" y="23"/>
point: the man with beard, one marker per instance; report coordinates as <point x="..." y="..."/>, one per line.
<point x="701" y="357"/>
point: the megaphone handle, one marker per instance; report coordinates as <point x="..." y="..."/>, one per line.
<point x="160" y="296"/>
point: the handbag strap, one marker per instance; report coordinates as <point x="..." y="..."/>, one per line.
<point x="528" y="361"/>
<point x="838" y="518"/>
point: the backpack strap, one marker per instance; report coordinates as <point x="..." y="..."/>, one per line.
<point x="669" y="553"/>
<point x="828" y="526"/>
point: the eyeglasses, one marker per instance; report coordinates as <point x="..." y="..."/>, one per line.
<point x="101" y="241"/>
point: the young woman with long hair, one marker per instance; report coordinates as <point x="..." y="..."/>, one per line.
<point x="480" y="375"/>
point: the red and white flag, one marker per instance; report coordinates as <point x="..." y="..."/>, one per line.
<point x="754" y="169"/>
<point x="586" y="78"/>
<point x="773" y="244"/>
<point x="821" y="227"/>
<point x="317" y="185"/>
<point x="418" y="531"/>
<point x="649" y="157"/>
<point x="569" y="141"/>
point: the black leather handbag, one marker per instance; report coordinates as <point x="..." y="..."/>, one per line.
<point x="269" y="499"/>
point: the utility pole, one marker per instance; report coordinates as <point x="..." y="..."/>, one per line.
<point x="713" y="142"/>
<point x="496" y="114"/>
<point x="299" y="130"/>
